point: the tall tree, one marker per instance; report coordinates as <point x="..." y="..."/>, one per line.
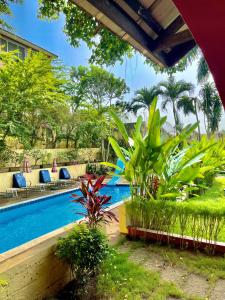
<point x="172" y="91"/>
<point x="190" y="105"/>
<point x="211" y="106"/>
<point x="143" y="99"/>
<point x="31" y="96"/>
<point x="97" y="86"/>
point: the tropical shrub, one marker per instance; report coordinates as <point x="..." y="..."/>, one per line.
<point x="91" y="168"/>
<point x="157" y="168"/>
<point x="94" y="203"/>
<point x="84" y="250"/>
<point x="213" y="161"/>
<point x="97" y="169"/>
<point x="68" y="156"/>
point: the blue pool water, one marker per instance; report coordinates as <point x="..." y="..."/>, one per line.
<point x="27" y="221"/>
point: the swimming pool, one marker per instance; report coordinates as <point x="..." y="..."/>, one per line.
<point x="24" y="222"/>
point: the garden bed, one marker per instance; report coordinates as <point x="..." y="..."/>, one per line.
<point x="197" y="223"/>
<point x="184" y="242"/>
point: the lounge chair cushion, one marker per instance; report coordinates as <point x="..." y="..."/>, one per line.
<point x="19" y="181"/>
<point x="44" y="176"/>
<point x="64" y="174"/>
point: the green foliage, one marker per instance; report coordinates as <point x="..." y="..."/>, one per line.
<point x="203" y="71"/>
<point x="30" y="96"/>
<point x="97" y="169"/>
<point x="202" y="217"/>
<point x="68" y="156"/>
<point x="143" y="98"/>
<point x="213" y="162"/>
<point x="5" y="10"/>
<point x="106" y="47"/>
<point x="211" y="106"/>
<point x="84" y="250"/>
<point x="157" y="168"/>
<point x="97" y="86"/>
<point x="46" y="105"/>
<point x="6" y="155"/>
<point x="190" y="105"/>
<point x="122" y="279"/>
<point x="172" y="91"/>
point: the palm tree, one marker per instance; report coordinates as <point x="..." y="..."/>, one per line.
<point x="172" y="91"/>
<point x="190" y="105"/>
<point x="203" y="71"/>
<point x="143" y="99"/>
<point x="211" y="106"/>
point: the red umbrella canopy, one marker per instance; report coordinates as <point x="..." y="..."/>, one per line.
<point x="26" y="166"/>
<point x="54" y="166"/>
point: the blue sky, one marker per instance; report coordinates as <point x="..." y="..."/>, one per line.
<point x="50" y="35"/>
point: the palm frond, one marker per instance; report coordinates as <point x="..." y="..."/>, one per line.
<point x="185" y="104"/>
<point x="203" y="71"/>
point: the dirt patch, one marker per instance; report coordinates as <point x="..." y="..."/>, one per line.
<point x="196" y="286"/>
<point x="219" y="291"/>
<point x="176" y="275"/>
<point x="139" y="255"/>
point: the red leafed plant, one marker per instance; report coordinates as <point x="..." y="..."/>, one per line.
<point x="94" y="203"/>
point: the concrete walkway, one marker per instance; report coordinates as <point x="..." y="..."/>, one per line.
<point x="194" y="285"/>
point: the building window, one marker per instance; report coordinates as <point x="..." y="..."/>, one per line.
<point x="11" y="46"/>
<point x="3" y="44"/>
<point x="22" y="52"/>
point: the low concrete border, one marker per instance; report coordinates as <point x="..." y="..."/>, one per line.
<point x="32" y="270"/>
<point x="184" y="242"/>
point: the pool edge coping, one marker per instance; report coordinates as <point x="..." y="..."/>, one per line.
<point x="12" y="253"/>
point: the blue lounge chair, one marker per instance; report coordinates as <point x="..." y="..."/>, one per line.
<point x="116" y="178"/>
<point x="64" y="174"/>
<point x="19" y="181"/>
<point x="20" y="184"/>
<point x="45" y="177"/>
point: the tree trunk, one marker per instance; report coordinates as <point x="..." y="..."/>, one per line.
<point x="103" y="150"/>
<point x="67" y="141"/>
<point x="175" y="117"/>
<point x="196" y="114"/>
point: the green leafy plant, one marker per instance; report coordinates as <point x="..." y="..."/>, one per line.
<point x="97" y="169"/>
<point x="84" y="250"/>
<point x="157" y="168"/>
<point x="68" y="156"/>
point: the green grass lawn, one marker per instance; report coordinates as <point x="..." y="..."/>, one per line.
<point x="215" y="192"/>
<point x="214" y="197"/>
<point x="122" y="279"/>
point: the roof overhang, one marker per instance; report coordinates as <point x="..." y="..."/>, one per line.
<point x="153" y="27"/>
